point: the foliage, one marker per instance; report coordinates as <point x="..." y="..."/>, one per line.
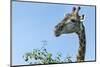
<point x="41" y="56"/>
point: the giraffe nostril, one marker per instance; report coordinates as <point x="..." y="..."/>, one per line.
<point x="57" y="35"/>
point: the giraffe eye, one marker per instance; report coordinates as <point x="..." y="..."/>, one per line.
<point x="72" y="20"/>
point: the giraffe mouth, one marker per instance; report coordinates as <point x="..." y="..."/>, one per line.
<point x="57" y="35"/>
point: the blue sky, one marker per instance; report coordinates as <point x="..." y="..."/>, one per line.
<point x="34" y="22"/>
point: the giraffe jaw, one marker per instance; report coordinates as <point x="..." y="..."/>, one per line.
<point x="70" y="28"/>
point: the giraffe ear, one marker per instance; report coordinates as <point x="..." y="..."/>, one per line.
<point x="82" y="18"/>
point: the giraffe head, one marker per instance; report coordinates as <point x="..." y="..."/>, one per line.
<point x="71" y="23"/>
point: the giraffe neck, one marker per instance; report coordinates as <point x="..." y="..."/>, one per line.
<point x="82" y="45"/>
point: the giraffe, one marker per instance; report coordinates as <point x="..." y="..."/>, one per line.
<point x="73" y="23"/>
